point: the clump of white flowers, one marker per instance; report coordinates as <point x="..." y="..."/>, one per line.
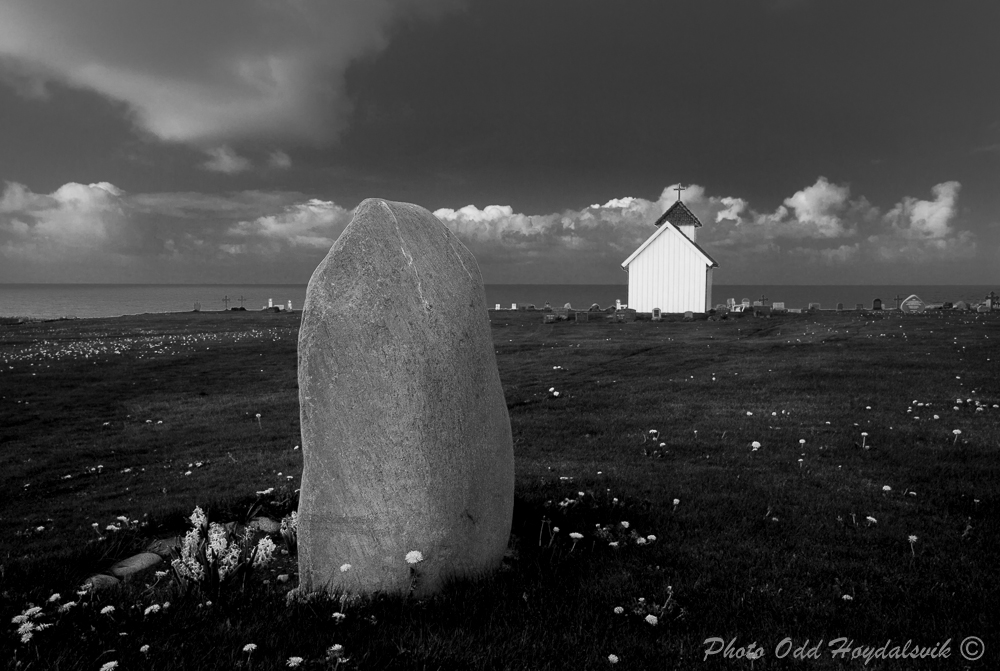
<point x="213" y="554"/>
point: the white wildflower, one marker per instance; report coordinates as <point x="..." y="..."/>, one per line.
<point x="264" y="552"/>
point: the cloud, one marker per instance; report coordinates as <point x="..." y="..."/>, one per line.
<point x="818" y="207"/>
<point x="75" y="215"/>
<point x="225" y="160"/>
<point x="97" y="232"/>
<point x="921" y="230"/>
<point x="315" y="224"/>
<point x="279" y="160"/>
<point x="927" y="219"/>
<point x="817" y="227"/>
<point x="204" y="73"/>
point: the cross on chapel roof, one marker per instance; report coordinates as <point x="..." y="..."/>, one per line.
<point x="678" y="214"/>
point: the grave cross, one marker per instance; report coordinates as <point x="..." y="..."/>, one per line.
<point x="241" y="301"/>
<point x="678" y="189"/>
<point x="993" y="297"/>
<point x="762" y="299"/>
<point x="897" y="299"/>
<point x="225" y="301"/>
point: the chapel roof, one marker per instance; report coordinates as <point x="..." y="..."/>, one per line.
<point x="678" y="214"/>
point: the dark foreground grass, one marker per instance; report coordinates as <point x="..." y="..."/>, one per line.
<point x="655" y="425"/>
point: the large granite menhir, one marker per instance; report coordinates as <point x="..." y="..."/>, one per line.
<point x="405" y="434"/>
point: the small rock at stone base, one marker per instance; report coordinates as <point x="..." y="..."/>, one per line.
<point x="135" y="564"/>
<point x="101" y="581"/>
<point x="265" y="524"/>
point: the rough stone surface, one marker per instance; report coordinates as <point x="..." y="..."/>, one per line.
<point x="406" y="439"/>
<point x="135" y="564"/>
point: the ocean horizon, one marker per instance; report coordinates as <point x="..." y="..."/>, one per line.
<point x="53" y="301"/>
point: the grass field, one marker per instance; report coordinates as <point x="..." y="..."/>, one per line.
<point x="800" y="478"/>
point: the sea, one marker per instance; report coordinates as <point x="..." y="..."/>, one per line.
<point x="55" y="301"/>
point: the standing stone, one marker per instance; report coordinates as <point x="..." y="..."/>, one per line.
<point x="406" y="439"/>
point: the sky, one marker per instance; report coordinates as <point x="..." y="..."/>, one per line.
<point x="849" y="142"/>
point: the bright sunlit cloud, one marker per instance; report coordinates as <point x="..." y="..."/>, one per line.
<point x="820" y="226"/>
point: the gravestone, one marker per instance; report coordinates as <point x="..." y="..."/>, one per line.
<point x="595" y="308"/>
<point x="778" y="305"/>
<point x="961" y="305"/>
<point x="859" y="306"/>
<point x="982" y="308"/>
<point x="406" y="440"/>
<point x="796" y="311"/>
<point x="814" y="306"/>
<point x="548" y="318"/>
<point x="746" y="303"/>
<point x="877" y="304"/>
<point x="270" y="303"/>
<point x="688" y="316"/>
<point x="513" y="306"/>
<point x="840" y="307"/>
<point x="197" y="307"/>
<point x="582" y="316"/>
<point x="657" y="316"/>
<point x="568" y="306"/>
<point x="730" y="303"/>
<point x="912" y="305"/>
<point x="497" y="307"/>
<point x="618" y="304"/>
<point x="289" y="308"/>
<point x="758" y="304"/>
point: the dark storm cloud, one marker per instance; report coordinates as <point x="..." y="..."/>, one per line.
<point x="204" y="72"/>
